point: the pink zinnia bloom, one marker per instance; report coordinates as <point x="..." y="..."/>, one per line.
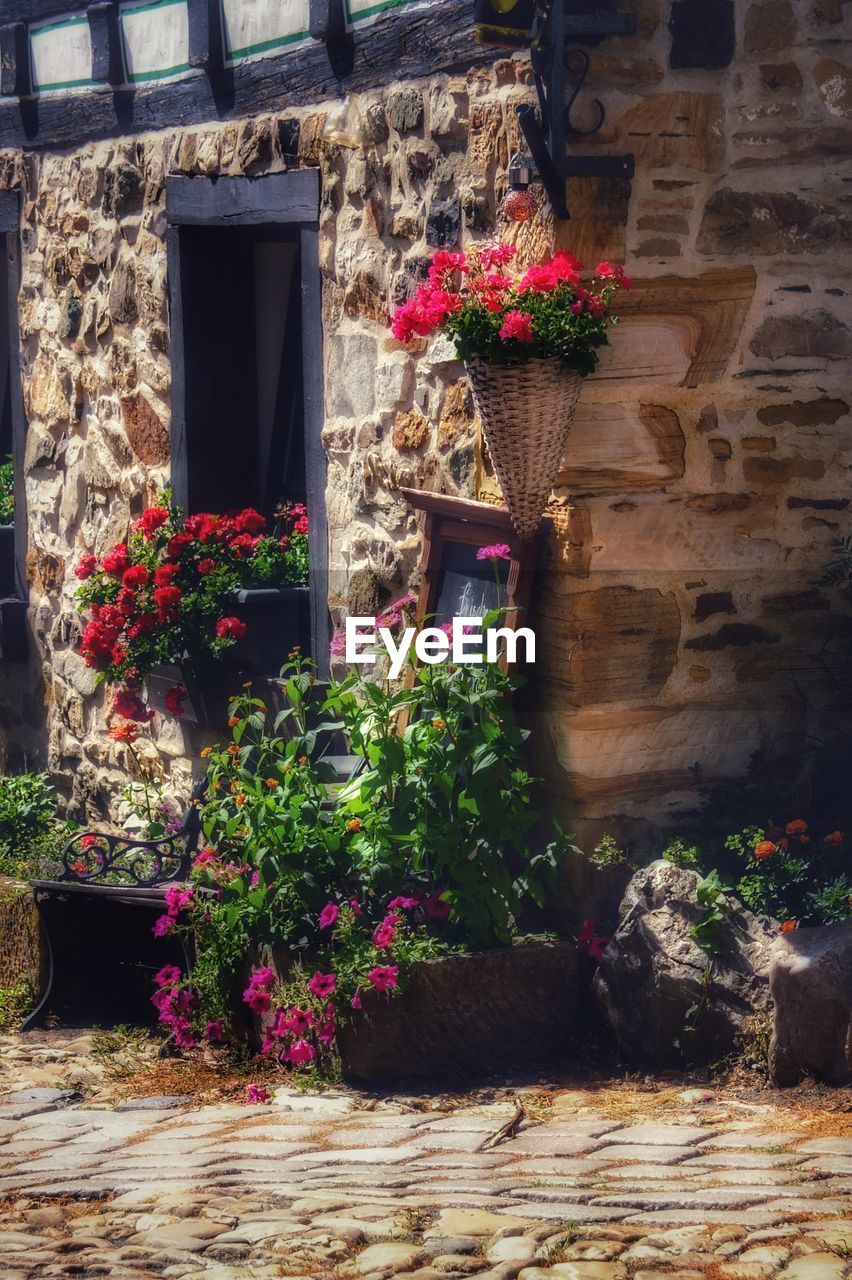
<point x="517" y="325"/>
<point x="328" y="915"/>
<point x="322" y="985"/>
<point x="498" y="551"/>
<point x="338" y="645"/>
<point x="384" y="976"/>
<point x="300" y="1051"/>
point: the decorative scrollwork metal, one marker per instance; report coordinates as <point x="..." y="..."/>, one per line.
<point x="100" y="858"/>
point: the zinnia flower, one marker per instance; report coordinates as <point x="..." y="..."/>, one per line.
<point x="125" y="732"/>
<point x="765" y="849"/>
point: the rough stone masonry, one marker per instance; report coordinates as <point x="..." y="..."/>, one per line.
<point x="679" y="618"/>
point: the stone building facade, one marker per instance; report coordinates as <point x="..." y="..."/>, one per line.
<point x="707" y="475"/>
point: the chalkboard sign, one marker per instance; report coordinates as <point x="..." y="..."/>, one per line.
<point x="467" y="587"/>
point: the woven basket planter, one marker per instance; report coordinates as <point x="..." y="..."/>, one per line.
<point x="526" y="412"/>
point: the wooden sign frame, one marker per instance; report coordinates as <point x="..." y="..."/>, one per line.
<point x="453" y="521"/>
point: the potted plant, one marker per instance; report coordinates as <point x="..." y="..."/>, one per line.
<point x="527" y="339"/>
<point x="165" y="608"/>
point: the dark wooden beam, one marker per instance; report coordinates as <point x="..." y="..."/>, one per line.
<point x="206" y="38"/>
<point x="34" y="10"/>
<point x="14" y="61"/>
<point x="107" y="57"/>
<point x="327" y="20"/>
<point x="408" y="41"/>
<point x="277" y="198"/>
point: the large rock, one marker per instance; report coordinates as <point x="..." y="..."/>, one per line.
<point x="810" y="980"/>
<point x="468" y="1015"/>
<point x="652" y="974"/>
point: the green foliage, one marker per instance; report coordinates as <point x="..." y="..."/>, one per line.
<point x="607" y="853"/>
<point x="15" y="1003"/>
<point x="7" y="492"/>
<point x="681" y="854"/>
<point x="31" y="835"/>
<point x="712" y="896"/>
<point x="839" y="569"/>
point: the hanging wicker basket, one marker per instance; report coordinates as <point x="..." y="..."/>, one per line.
<point x="526" y="412"/>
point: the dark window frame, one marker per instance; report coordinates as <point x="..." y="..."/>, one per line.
<point x="13" y="607"/>
<point x="290" y="199"/>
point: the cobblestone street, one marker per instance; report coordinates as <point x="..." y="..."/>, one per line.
<point x="345" y="1184"/>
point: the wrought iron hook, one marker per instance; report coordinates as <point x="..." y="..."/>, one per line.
<point x="585" y="62"/>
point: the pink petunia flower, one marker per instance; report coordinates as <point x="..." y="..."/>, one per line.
<point x="300" y="1051"/>
<point x="384" y="976"/>
<point x="256" y="1093"/>
<point x="328" y="915"/>
<point x="322" y="985"/>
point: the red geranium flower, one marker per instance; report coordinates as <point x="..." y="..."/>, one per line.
<point x="152" y="520"/>
<point x="231" y="628"/>
<point x="164" y="573"/>
<point x="206" y="566"/>
<point x="243" y="545"/>
<point x="131" y="707"/>
<point x="174" y="700"/>
<point x="249" y="521"/>
<point x="167" y="600"/>
<point x="178" y="543"/>
<point x="136" y="576"/>
<point x="115" y="561"/>
<point x="85" y="567"/>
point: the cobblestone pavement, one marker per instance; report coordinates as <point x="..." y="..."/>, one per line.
<point x="344" y="1185"/>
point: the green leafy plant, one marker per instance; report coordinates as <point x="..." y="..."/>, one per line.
<point x="608" y="853"/>
<point x="15" y="1003"/>
<point x="712" y="896"/>
<point x="32" y="835"/>
<point x="7" y="492"/>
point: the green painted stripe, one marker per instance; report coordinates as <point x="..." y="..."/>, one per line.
<point x="262" y="46"/>
<point x="63" y="84"/>
<point x="373" y="9"/>
<point x="138" y="76"/>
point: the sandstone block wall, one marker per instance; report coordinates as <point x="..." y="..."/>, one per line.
<point x="678" y="614"/>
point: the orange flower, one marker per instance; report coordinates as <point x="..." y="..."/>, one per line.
<point x="124" y="732"/>
<point x="789" y="925"/>
<point x="797" y="827"/>
<point x="765" y="849"/>
<point x="240" y="799"/>
<point x="833" y="837"/>
<point x="354" y="824"/>
<point x="272" y="783"/>
<point x="205" y="752"/>
<point x="233" y="720"/>
<point x="303" y="759"/>
<point x="247" y="684"/>
<point x="438" y="723"/>
<point x="233" y="749"/>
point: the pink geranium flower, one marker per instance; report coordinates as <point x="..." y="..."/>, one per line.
<point x="517" y="325"/>
<point x="497" y="551"/>
<point x="322" y="985"/>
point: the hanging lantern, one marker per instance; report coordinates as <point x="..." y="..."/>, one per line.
<point x="520" y="205"/>
<point x="504" y="22"/>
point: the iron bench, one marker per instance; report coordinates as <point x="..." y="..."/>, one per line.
<point x="98" y="918"/>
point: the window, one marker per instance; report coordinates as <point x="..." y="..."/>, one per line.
<point x="13" y="522"/>
<point x="247" y="354"/>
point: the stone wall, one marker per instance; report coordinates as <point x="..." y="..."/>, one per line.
<point x="678" y="618"/>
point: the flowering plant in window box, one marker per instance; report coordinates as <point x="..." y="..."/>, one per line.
<point x="528" y="338"/>
<point x="167" y="595"/>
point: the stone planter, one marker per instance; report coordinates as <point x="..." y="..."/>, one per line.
<point x="464" y="1016"/>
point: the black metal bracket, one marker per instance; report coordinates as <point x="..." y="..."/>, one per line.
<point x="546" y="134"/>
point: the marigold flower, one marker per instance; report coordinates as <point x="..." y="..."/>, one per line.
<point x="354" y="824"/>
<point x="272" y="783"/>
<point x="438" y="723"/>
<point x="765" y="849"/>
